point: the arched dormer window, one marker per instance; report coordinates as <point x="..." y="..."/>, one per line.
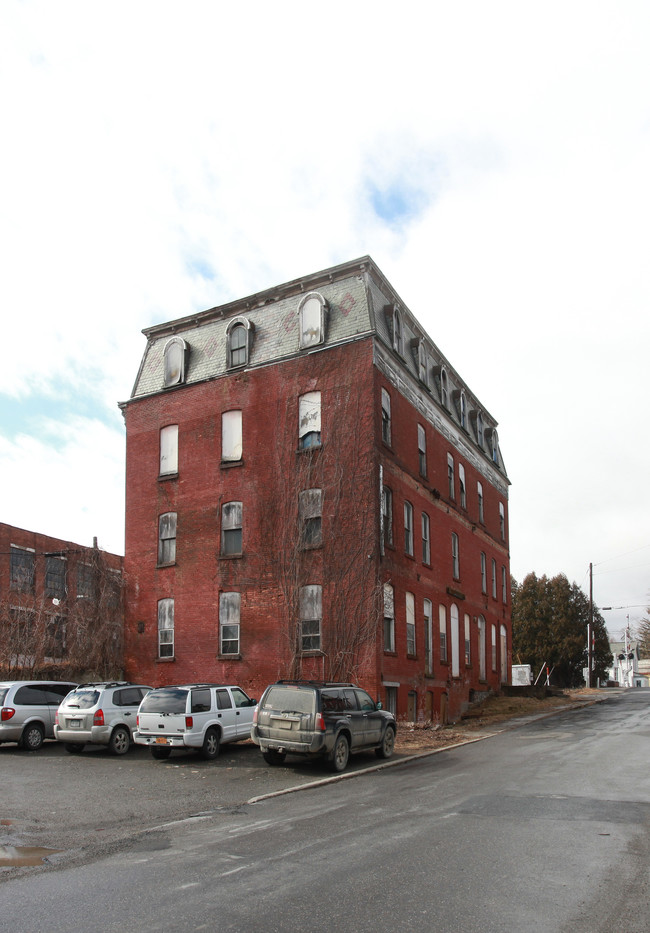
<point x="444" y="388"/>
<point x="175" y="357"/>
<point x="480" y="430"/>
<point x="240" y="337"/>
<point x="398" y="332"/>
<point x="313" y="319"/>
<point x="462" y="410"/>
<point x="423" y="372"/>
<point x="493" y="444"/>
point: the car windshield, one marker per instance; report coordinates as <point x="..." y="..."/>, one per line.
<point x="3" y="693"/>
<point x="166" y="700"/>
<point x="290" y="699"/>
<point x="82" y="699"/>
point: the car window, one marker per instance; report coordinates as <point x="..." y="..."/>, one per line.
<point x="54" y="693"/>
<point x="290" y="699"/>
<point x="350" y="699"/>
<point x="82" y="699"/>
<point x="332" y="701"/>
<point x="30" y="696"/>
<point x="3" y="693"/>
<point x="166" y="700"/>
<point x="365" y="702"/>
<point x="201" y="700"/>
<point x="223" y="700"/>
<point x="240" y="697"/>
<point x="130" y="696"/>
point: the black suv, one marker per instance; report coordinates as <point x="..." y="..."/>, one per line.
<point x="321" y="719"/>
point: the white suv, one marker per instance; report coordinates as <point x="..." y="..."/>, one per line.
<point x="99" y="713"/>
<point x="198" y="716"/>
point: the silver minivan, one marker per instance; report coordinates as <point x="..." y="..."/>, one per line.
<point x="194" y="716"/>
<point x="28" y="708"/>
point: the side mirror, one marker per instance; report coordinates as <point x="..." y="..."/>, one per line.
<point x="378" y="704"/>
<point x="253" y="703"/>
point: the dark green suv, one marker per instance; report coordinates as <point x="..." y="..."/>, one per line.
<point x="327" y="720"/>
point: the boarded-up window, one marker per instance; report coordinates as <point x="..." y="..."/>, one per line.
<point x="310" y="512"/>
<point x="309" y="420"/>
<point x="389" y="618"/>
<point x="311" y="613"/>
<point x="229" y="621"/>
<point x="167" y="538"/>
<point x="175" y="356"/>
<point x="166" y="628"/>
<point x="22" y="569"/>
<point x="169" y="449"/>
<point x="231" y="528"/>
<point x="312" y="321"/>
<point x="231" y="436"/>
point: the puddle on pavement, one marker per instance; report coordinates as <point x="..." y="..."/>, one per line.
<point x="21" y="856"/>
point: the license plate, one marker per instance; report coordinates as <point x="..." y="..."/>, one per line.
<point x="161" y="740"/>
<point x="75" y="724"/>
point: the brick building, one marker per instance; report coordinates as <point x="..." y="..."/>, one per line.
<point x="313" y="491"/>
<point x="57" y="601"/>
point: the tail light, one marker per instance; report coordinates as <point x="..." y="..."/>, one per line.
<point x="98" y="718"/>
<point x="7" y="713"/>
<point x="189" y="722"/>
<point x="255" y="715"/>
<point x="56" y="718"/>
<point x="320" y="722"/>
<point x="137" y="721"/>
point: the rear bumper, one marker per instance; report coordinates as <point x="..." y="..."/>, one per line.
<point x="318" y="744"/>
<point x="168" y="741"/>
<point x="96" y="735"/>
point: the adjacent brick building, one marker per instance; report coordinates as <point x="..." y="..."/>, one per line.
<point x="313" y="491"/>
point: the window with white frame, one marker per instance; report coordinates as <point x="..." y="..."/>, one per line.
<point x="481" y="509"/>
<point x="311" y="614"/>
<point x="389" y="618"/>
<point x="503" y="646"/>
<point x="55" y="576"/>
<point x="169" y="450"/>
<point x="167" y="538"/>
<point x="450" y="476"/>
<point x="455" y="556"/>
<point x="229" y="623"/>
<point x="502" y="521"/>
<point x="444" y="388"/>
<point x="480" y="430"/>
<point x="410" y="624"/>
<point x="493" y="632"/>
<point x="494" y="446"/>
<point x="423" y="371"/>
<point x="312" y="312"/>
<point x="481" y="648"/>
<point x="231" y="436"/>
<point x="426" y="539"/>
<point x="461" y="486"/>
<point x="468" y="641"/>
<point x="462" y="403"/>
<point x="174" y="361"/>
<point x="231" y="529"/>
<point x="385" y="417"/>
<point x="442" y="627"/>
<point x="239" y="336"/>
<point x="483" y="573"/>
<point x="166" y="628"/>
<point x="387" y="515"/>
<point x="504" y="585"/>
<point x="494" y="579"/>
<point x="455" y="641"/>
<point x="310" y="509"/>
<point x="428" y="637"/>
<point x="408" y="528"/>
<point x="309" y="420"/>
<point x="422" y="450"/>
<point x="398" y="333"/>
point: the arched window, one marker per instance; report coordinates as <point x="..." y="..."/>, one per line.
<point x="174" y="361"/>
<point x="312" y="310"/>
<point x="309" y="420"/>
<point x="398" y="333"/>
<point x="462" y="402"/>
<point x="239" y="335"/>
<point x="444" y="388"/>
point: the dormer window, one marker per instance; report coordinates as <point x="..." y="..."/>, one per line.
<point x="174" y="361"/>
<point x="423" y="372"/>
<point x="480" y="430"/>
<point x="313" y="311"/>
<point x="444" y="388"/>
<point x="398" y="333"/>
<point x="239" y="336"/>
<point x="462" y="410"/>
<point x="493" y="443"/>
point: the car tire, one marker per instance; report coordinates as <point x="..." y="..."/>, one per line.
<point x="160" y="754"/>
<point x="120" y="741"/>
<point x="33" y="737"/>
<point x="273" y="758"/>
<point x="74" y="748"/>
<point x="210" y="747"/>
<point x="340" y="754"/>
<point x="385" y="750"/>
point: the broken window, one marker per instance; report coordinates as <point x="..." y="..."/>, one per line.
<point x="231" y="436"/>
<point x="229" y="613"/>
<point x="426" y="539"/>
<point x="166" y="628"/>
<point x="311" y="613"/>
<point x="461" y="484"/>
<point x="410" y="624"/>
<point x="310" y="511"/>
<point x="389" y="618"/>
<point x="174" y="361"/>
<point x="167" y="538"/>
<point x="422" y="450"/>
<point x="387" y="514"/>
<point x="55" y="567"/>
<point x="428" y="638"/>
<point x="385" y="417"/>
<point x="22" y="569"/>
<point x="231" y="528"/>
<point x="309" y="425"/>
<point x="408" y="528"/>
<point x="312" y="311"/>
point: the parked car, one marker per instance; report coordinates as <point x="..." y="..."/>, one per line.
<point x="195" y="716"/>
<point x="27" y="710"/>
<point x="99" y="714"/>
<point x="327" y="720"/>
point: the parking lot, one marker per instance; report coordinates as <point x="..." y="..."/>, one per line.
<point x="85" y="804"/>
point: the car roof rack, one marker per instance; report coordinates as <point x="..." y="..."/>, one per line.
<point x="316" y="683"/>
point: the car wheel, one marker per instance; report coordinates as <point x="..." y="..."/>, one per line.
<point x="120" y="741"/>
<point x="273" y="758"/>
<point x="385" y="750"/>
<point x="161" y="753"/>
<point x="73" y="747"/>
<point x="32" y="737"/>
<point x="210" y="748"/>
<point x="340" y="754"/>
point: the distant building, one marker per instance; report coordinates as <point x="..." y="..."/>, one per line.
<point x="58" y="599"/>
<point x="313" y="491"/>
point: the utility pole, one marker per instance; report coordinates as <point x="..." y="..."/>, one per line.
<point x="590" y="625"/>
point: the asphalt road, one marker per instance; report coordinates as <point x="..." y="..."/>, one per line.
<point x="543" y="828"/>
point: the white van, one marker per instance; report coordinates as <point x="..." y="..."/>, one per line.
<point x="198" y="716"/>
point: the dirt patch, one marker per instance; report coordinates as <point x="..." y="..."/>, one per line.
<point x="492" y="714"/>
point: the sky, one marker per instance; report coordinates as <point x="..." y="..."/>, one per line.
<point x="161" y="158"/>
